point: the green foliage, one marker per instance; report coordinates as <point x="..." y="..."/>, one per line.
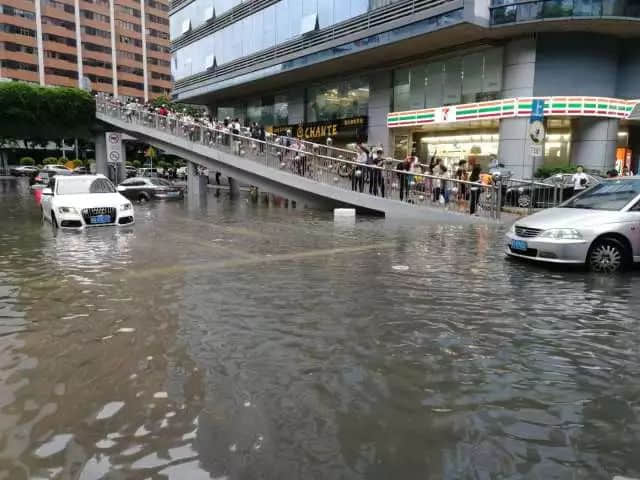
<point x="546" y="171"/>
<point x="27" y="161"/>
<point x="77" y="163"/>
<point x="137" y="164"/>
<point x="35" y="112"/>
<point x="50" y="161"/>
<point x="62" y="160"/>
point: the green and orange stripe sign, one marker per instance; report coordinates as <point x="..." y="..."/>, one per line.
<point x="514" y="107"/>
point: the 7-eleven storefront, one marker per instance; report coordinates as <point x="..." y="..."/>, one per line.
<point x="593" y="131"/>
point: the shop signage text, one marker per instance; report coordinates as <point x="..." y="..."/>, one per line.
<point x="515" y="107"/>
<point x="346" y="127"/>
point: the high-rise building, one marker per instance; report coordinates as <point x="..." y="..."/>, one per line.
<point x="119" y="47"/>
<point x="450" y="78"/>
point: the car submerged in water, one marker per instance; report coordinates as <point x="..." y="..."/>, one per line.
<point x="143" y="189"/>
<point x="599" y="227"/>
<point x="77" y="202"/>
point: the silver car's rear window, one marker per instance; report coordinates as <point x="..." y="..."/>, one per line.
<point x="610" y="195"/>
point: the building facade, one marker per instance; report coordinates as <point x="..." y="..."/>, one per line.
<point x="448" y="78"/>
<point x="119" y="47"/>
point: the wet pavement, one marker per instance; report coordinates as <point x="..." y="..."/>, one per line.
<point x="241" y="341"/>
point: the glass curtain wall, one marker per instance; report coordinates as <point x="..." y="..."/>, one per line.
<point x="272" y="110"/>
<point x="462" y="79"/>
<point x="264" y="29"/>
<point x="336" y="100"/>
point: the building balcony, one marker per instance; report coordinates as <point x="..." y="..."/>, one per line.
<point x="509" y="12"/>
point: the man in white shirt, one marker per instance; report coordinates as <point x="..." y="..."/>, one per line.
<point x="579" y="180"/>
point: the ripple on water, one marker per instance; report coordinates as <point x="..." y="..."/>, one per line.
<point x="366" y="350"/>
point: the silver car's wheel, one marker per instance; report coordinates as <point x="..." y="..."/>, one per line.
<point x="524" y="201"/>
<point x="607" y="256"/>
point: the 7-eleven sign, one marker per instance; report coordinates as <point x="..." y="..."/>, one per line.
<point x="445" y="114"/>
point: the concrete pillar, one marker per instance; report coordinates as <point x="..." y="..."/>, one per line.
<point x="380" y="95"/>
<point x="234" y="188"/>
<point x="193" y="179"/>
<point x="515" y="147"/>
<point x="517" y="81"/>
<point x="594" y="142"/>
<point x="101" y="154"/>
<point x="4" y="163"/>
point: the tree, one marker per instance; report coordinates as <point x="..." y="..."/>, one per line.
<point x="35" y="112"/>
<point x="27" y="161"/>
<point x="50" y="161"/>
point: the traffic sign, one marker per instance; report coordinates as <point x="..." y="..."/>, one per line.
<point x="537" y="110"/>
<point x="536" y="131"/>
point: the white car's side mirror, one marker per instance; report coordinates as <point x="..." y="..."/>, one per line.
<point x="47" y="191"/>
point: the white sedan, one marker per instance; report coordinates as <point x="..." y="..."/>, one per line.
<point x="82" y="201"/>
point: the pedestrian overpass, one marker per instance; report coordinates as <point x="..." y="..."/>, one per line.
<point x="311" y="176"/>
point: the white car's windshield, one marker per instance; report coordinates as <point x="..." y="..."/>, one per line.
<point x="611" y="195"/>
<point x="80" y="185"/>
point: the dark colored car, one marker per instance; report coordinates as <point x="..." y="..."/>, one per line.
<point x="45" y="176"/>
<point x="547" y="193"/>
<point x="24" y="171"/>
<point x="144" y="189"/>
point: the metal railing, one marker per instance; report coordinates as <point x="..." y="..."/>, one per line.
<point x="526" y="196"/>
<point x="325" y="166"/>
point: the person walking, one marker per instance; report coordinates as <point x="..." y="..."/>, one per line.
<point x="474" y="196"/>
<point x="579" y="180"/>
<point x="375" y="175"/>
<point x="404" y="178"/>
<point x="357" y="175"/>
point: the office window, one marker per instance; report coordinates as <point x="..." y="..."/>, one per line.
<point x="472" y="67"/>
<point x="462" y="79"/>
<point x="340" y="99"/>
<point x="401" y="89"/>
<point x="434" y="85"/>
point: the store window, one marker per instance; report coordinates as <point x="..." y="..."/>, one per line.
<point x="461" y="79"/>
<point x="336" y="100"/>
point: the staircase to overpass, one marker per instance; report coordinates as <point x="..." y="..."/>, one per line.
<point x="309" y="174"/>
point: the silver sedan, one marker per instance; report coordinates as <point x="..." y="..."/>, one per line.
<point x="599" y="227"/>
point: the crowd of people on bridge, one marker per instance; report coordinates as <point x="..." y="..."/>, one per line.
<point x="369" y="171"/>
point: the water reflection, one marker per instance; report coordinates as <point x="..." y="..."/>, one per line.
<point x="240" y="340"/>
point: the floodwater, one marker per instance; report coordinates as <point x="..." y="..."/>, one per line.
<point x="233" y="340"/>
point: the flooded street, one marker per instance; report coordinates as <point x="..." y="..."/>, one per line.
<point x="243" y="341"/>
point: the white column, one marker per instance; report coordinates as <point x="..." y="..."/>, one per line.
<point x="114" y="64"/>
<point x="101" y="153"/>
<point x="594" y="142"/>
<point x="39" y="42"/>
<point x="514" y="149"/>
<point x="76" y="5"/>
<point x="145" y="72"/>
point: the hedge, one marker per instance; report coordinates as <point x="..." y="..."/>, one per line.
<point x="31" y="111"/>
<point x="50" y="161"/>
<point x="24" y="161"/>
